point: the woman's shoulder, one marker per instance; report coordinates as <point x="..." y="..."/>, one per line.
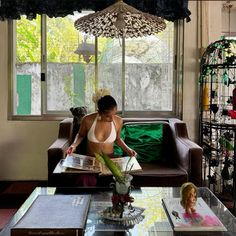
<point x="118" y="120"/>
<point x="90" y="117"/>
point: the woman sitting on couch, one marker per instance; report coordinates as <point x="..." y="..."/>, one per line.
<point x="102" y="129"/>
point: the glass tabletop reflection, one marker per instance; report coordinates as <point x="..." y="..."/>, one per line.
<point x="154" y="219"/>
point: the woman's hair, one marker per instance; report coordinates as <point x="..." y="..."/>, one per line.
<point x="106" y="103"/>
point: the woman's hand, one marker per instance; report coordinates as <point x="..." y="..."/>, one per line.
<point x="70" y="149"/>
<point x="131" y="153"/>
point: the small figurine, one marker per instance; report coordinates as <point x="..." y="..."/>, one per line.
<point x="188" y="192"/>
<point x="175" y="214"/>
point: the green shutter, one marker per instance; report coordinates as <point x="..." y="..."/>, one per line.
<point x="79" y="84"/>
<point x="24" y="89"/>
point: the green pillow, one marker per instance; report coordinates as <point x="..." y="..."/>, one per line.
<point x="145" y="139"/>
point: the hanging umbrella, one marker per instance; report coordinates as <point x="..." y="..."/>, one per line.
<point x="120" y="21"/>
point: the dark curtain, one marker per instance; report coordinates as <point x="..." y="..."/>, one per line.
<point x="170" y="10"/>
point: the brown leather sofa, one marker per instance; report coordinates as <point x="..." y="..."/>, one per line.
<point x="183" y="157"/>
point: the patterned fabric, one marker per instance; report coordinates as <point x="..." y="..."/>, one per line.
<point x="170" y="10"/>
<point x="120" y="20"/>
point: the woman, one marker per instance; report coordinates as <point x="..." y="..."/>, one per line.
<point x="102" y="129"/>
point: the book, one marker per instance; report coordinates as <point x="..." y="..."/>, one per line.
<point x="204" y="219"/>
<point x="81" y="162"/>
<point x="54" y="215"/>
<point x="90" y="164"/>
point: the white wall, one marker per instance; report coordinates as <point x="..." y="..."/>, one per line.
<point x="225" y="21"/>
<point x="215" y="22"/>
<point x="23" y="144"/>
<point x="191" y="68"/>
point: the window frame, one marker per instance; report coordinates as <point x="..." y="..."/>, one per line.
<point x="59" y="115"/>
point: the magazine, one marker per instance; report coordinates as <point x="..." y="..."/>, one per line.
<point x="88" y="163"/>
<point x="203" y="219"/>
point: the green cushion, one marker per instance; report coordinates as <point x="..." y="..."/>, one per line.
<point x="145" y="139"/>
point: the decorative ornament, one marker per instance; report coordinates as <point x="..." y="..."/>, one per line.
<point x="205" y="98"/>
<point x="121" y="196"/>
<point x="86" y="50"/>
<point x="99" y="94"/>
<point x="120" y="21"/>
<point x="188" y="192"/>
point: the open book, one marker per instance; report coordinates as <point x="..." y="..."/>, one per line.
<point x="203" y="219"/>
<point x="88" y="163"/>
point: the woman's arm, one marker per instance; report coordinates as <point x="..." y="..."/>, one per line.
<point x="120" y="142"/>
<point x="79" y="137"/>
<point x="125" y="148"/>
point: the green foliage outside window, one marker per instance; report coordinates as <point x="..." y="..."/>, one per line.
<point x="62" y="40"/>
<point x="28" y="40"/>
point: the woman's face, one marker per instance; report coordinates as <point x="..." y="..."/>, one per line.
<point x="108" y="115"/>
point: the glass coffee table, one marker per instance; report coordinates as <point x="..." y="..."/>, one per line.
<point x="154" y="220"/>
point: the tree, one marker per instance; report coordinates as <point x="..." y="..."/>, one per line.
<point x="62" y="40"/>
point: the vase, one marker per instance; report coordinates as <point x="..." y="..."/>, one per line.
<point x="121" y="196"/>
<point x="123" y="187"/>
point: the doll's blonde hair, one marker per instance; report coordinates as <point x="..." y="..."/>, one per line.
<point x="184" y="192"/>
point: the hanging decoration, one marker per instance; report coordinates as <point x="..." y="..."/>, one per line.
<point x="120" y="21"/>
<point x="86" y="50"/>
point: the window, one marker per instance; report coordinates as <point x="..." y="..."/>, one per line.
<point x="27" y="88"/>
<point x="54" y="72"/>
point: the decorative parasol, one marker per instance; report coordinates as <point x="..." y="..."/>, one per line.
<point x="120" y="20"/>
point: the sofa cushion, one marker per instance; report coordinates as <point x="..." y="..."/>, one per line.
<point x="160" y="174"/>
<point x="145" y="139"/>
<point x="153" y="174"/>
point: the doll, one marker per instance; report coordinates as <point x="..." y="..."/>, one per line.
<point x="188" y="192"/>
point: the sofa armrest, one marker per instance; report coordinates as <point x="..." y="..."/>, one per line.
<point x="190" y="154"/>
<point x="66" y="129"/>
<point x="57" y="150"/>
